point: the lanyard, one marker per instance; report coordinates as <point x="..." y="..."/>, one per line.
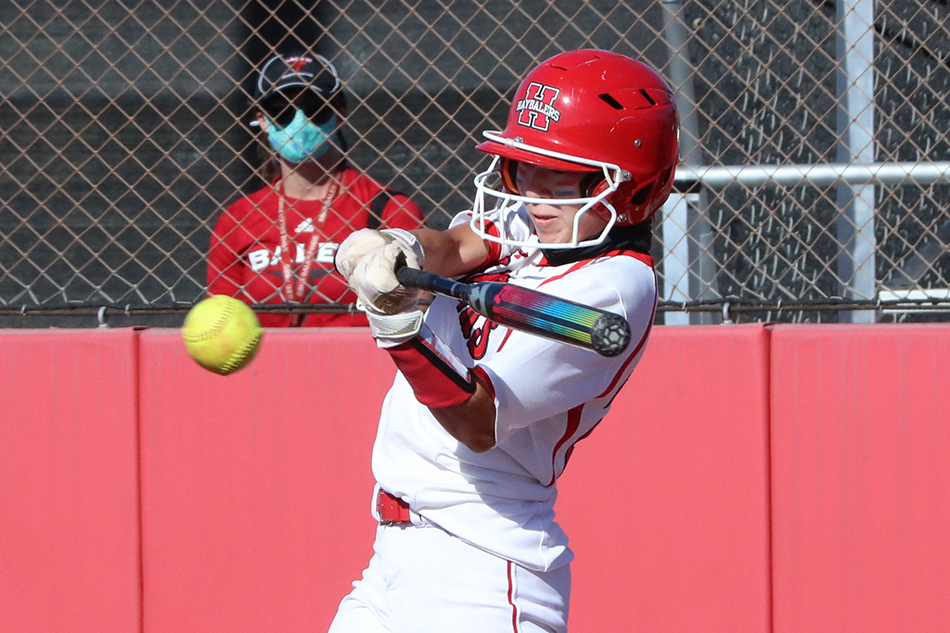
<point x="289" y="292"/>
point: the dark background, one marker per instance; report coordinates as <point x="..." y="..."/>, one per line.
<point x="125" y="130"/>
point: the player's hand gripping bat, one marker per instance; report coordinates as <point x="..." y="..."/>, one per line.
<point x="528" y="310"/>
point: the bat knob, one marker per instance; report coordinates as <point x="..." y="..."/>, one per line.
<point x="610" y="335"/>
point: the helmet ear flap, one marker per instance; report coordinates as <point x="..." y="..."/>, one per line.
<point x="592" y="185"/>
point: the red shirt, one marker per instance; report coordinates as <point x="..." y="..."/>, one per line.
<point x="245" y="259"/>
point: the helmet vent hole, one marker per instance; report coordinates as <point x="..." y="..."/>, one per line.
<point x="613" y="103"/>
<point x="647" y="96"/>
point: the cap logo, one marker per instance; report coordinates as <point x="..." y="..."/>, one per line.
<point x="297" y="63"/>
<point x="537" y="109"/>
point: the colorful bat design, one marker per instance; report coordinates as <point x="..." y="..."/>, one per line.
<point x="531" y="311"/>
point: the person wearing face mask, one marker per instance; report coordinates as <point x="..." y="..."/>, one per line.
<point x="277" y="244"/>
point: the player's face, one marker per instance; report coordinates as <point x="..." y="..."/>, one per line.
<point x="554" y="223"/>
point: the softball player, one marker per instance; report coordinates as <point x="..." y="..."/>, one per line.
<point x="481" y="420"/>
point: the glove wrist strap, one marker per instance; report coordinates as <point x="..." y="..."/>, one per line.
<point x="390" y="330"/>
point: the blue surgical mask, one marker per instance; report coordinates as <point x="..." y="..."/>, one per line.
<point x="301" y="140"/>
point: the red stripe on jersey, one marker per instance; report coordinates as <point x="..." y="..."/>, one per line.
<point x="643" y="340"/>
<point x="643" y="257"/>
<point x="567" y="272"/>
<point x="573" y="422"/>
<point x="613" y="383"/>
<point x="504" y="340"/>
<point x="623" y="252"/>
<point x="511" y="597"/>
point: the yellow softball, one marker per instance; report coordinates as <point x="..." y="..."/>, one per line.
<point x="222" y="334"/>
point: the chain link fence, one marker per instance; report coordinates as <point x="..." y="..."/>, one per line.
<point x="813" y="185"/>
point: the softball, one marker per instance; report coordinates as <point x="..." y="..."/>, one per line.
<point x="222" y="334"/>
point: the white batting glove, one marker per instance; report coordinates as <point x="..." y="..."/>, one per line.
<point x="391" y="309"/>
<point x="367" y="260"/>
<point x="354" y="247"/>
<point x="375" y="283"/>
<point x="360" y="243"/>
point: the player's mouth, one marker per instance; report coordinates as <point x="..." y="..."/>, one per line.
<point x="544" y="220"/>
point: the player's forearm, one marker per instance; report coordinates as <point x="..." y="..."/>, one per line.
<point x="459" y="397"/>
<point x="472" y="422"/>
<point x="452" y="252"/>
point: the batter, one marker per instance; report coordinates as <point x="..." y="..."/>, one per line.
<point x="481" y="420"/>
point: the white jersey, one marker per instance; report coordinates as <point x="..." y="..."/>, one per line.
<point x="548" y="395"/>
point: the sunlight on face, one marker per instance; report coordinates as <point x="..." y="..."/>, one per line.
<point x="554" y="222"/>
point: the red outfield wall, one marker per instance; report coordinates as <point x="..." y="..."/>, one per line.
<point x="748" y="479"/>
<point x="69" y="494"/>
<point x="861" y="478"/>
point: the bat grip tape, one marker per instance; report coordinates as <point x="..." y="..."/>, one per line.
<point x="437" y="377"/>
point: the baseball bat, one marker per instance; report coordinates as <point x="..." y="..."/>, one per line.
<point x="528" y="310"/>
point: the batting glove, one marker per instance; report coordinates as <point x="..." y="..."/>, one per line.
<point x="391" y="309"/>
<point x="375" y="283"/>
<point x="360" y="243"/>
<point x="392" y="330"/>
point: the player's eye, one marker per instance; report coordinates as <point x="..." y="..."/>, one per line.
<point x="547" y="182"/>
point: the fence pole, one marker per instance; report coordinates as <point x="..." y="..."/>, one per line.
<point x="856" y="132"/>
<point x="682" y="228"/>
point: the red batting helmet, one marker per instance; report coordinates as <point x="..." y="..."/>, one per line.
<point x="596" y="111"/>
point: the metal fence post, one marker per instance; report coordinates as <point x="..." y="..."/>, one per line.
<point x="856" y="133"/>
<point x="686" y="233"/>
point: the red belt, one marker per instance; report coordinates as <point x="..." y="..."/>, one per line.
<point x="391" y="509"/>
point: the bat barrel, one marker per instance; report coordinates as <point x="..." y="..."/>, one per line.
<point x="550" y="316"/>
<point x="528" y="310"/>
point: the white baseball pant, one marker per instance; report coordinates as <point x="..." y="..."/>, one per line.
<point x="421" y="579"/>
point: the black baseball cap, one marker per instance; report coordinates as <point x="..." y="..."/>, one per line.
<point x="302" y="70"/>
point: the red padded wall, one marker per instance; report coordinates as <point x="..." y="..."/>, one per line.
<point x="861" y="478"/>
<point x="666" y="503"/>
<point x="242" y="503"/>
<point x="257" y="486"/>
<point x="69" y="530"/>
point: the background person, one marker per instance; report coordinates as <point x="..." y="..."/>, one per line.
<point x="276" y="245"/>
<point x="481" y="420"/>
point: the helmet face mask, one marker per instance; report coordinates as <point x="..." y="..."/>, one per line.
<point x="497" y="191"/>
<point x="590" y="111"/>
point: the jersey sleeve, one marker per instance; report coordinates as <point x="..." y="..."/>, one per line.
<point x="224" y="262"/>
<point x="534" y="378"/>
<point x="516" y="225"/>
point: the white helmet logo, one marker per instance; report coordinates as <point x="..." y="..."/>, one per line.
<point x="537" y="109"/>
